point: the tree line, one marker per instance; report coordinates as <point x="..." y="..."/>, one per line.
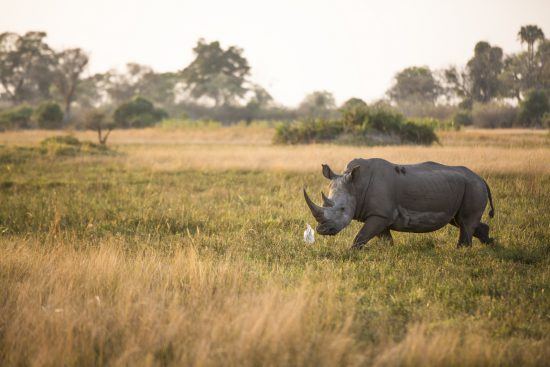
<point x="50" y="86"/>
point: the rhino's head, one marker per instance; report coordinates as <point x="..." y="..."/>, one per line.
<point x="338" y="208"/>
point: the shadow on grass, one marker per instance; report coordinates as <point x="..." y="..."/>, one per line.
<point x="527" y="256"/>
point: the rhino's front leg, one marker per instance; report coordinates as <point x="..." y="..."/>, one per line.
<point x="373" y="227"/>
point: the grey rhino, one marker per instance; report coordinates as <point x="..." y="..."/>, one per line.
<point x="417" y="198"/>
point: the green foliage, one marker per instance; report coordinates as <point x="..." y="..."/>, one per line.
<point x="354" y="113"/>
<point x="25" y="67"/>
<point x="360" y="124"/>
<point x="217" y="73"/>
<point x="415" y="84"/>
<point x="533" y="108"/>
<point x="48" y="115"/>
<point x="139" y="112"/>
<point x="494" y="115"/>
<point x="308" y="131"/>
<point x="463" y="118"/>
<point x="417" y="134"/>
<point x="16" y="118"/>
<point x="68" y="66"/>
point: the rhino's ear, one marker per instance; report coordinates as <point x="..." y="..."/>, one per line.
<point x="327" y="172"/>
<point x="351" y="174"/>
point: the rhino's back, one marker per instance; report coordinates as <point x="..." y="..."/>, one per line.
<point x="430" y="186"/>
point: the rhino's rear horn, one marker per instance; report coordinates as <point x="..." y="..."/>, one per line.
<point x="326" y="201"/>
<point x="317" y="211"/>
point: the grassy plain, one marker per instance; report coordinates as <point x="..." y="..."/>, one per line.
<point x="185" y="248"/>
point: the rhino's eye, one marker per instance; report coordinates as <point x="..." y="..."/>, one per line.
<point x="342" y="209"/>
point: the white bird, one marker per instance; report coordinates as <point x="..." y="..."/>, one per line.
<point x="309" y="234"/>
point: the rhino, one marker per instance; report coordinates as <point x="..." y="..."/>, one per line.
<point x="417" y="198"/>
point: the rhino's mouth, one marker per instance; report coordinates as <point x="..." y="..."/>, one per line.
<point x="326" y="229"/>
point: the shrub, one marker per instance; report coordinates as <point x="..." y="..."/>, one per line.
<point x="69" y="146"/>
<point x="384" y="120"/>
<point x="533" y="108"/>
<point x="354" y="113"/>
<point x="16" y="118"/>
<point x="308" y="131"/>
<point x="48" y="115"/>
<point x="493" y="115"/>
<point x="139" y="112"/>
<point x="417" y="134"/>
<point x="463" y="118"/>
<point x="381" y="125"/>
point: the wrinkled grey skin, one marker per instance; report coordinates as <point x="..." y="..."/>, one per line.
<point x="418" y="198"/>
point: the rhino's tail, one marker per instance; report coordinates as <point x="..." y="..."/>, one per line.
<point x="492" y="211"/>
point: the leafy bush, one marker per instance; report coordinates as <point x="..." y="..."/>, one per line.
<point x="354" y="113"/>
<point x="417" y="134"/>
<point x="533" y="108"/>
<point x="48" y="115"/>
<point x="493" y="115"/>
<point x="139" y="112"/>
<point x="308" y="131"/>
<point x="16" y="118"/>
<point x="359" y="125"/>
<point x="463" y="118"/>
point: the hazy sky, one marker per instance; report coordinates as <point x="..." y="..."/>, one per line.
<point x="348" y="47"/>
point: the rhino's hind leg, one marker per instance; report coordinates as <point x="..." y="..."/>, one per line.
<point x="481" y="232"/>
<point x="386" y="236"/>
<point x="373" y="226"/>
<point x="465" y="237"/>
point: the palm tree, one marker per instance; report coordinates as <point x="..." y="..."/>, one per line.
<point x="530" y="34"/>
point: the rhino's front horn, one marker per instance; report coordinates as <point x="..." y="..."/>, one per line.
<point x="326" y="201"/>
<point x="317" y="211"/>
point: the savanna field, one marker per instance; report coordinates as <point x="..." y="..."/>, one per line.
<point x="183" y="246"/>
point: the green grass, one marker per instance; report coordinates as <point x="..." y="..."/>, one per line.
<point x="256" y="218"/>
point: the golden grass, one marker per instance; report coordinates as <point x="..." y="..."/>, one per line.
<point x="104" y="305"/>
<point x="127" y="261"/>
<point x="241" y="147"/>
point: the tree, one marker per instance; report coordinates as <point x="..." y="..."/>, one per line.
<point x="138" y="112"/>
<point x="484" y="70"/>
<point x="415" y="84"/>
<point x="513" y="79"/>
<point x="98" y="120"/>
<point x="69" y="66"/>
<point x="354" y="113"/>
<point x="459" y="84"/>
<point x="217" y="73"/>
<point x="530" y="34"/>
<point x="533" y="109"/>
<point x="25" y="67"/>
<point x="543" y="57"/>
<point x="318" y="104"/>
<point x="261" y="99"/>
<point x="48" y="115"/>
<point x="480" y="81"/>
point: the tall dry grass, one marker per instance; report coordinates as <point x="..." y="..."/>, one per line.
<point x="101" y="305"/>
<point x="64" y="304"/>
